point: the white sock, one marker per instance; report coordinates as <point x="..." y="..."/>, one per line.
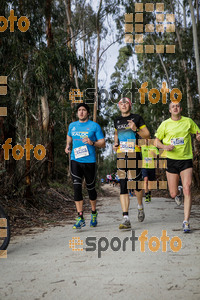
<point x="140" y="206"/>
<point x="126" y="217"/>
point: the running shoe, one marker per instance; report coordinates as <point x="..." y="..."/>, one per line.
<point x="93" y="222"/>
<point x="141" y="214"/>
<point x="125" y="224"/>
<point x="147" y="198"/>
<point x="179" y="199"/>
<point x="186" y="227"/>
<point x="79" y="223"/>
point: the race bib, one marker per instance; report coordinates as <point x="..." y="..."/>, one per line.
<point x="127" y="146"/>
<point x="177" y="141"/>
<point x="81" y="152"/>
<point x="148" y="160"/>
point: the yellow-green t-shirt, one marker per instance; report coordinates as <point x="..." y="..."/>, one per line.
<point x="149" y="153"/>
<point x="178" y="133"/>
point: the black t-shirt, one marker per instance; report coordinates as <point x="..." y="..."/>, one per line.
<point x="125" y="133"/>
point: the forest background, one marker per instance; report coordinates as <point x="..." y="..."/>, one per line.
<point x="65" y="48"/>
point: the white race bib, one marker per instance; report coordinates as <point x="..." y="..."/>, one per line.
<point x="127" y="146"/>
<point x="148" y="160"/>
<point x="81" y="152"/>
<point x="177" y="141"/>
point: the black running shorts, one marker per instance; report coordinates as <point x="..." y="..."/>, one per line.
<point x="176" y="166"/>
<point x="150" y="173"/>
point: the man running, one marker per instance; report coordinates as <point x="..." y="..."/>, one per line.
<point x="175" y="134"/>
<point x="85" y="135"/>
<point x="128" y="128"/>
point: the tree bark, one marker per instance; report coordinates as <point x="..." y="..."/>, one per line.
<point x="197" y="8"/>
<point x="196" y="48"/>
<point x="163" y="65"/>
<point x="184" y="16"/>
<point x="28" y="164"/>
<point x="184" y="66"/>
<point x="68" y="14"/>
<point x="97" y="63"/>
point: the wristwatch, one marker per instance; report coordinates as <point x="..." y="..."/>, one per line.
<point x="93" y="143"/>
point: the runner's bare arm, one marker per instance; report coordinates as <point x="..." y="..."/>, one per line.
<point x="160" y="145"/>
<point x="69" y="142"/>
<point x="198" y="136"/>
<point x="116" y="143"/>
<point x="144" y="133"/>
<point x="100" y="143"/>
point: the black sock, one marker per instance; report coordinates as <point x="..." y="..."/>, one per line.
<point x="149" y="193"/>
<point x="125" y="213"/>
<point x="94" y="211"/>
<point x="80" y="214"/>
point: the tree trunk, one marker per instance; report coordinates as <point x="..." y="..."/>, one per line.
<point x="184" y="16"/>
<point x="97" y="63"/>
<point x="163" y="65"/>
<point x="184" y="66"/>
<point x="45" y="112"/>
<point x="196" y="48"/>
<point x="84" y="55"/>
<point x="28" y="164"/>
<point x="49" y="34"/>
<point x="197" y="9"/>
<point x="68" y="14"/>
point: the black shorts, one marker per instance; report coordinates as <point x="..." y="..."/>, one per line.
<point x="129" y="168"/>
<point x="150" y="173"/>
<point x="176" y="166"/>
<point x="80" y="170"/>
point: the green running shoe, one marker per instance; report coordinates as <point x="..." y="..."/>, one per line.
<point x="147" y="198"/>
<point x="79" y="223"/>
<point x="93" y="222"/>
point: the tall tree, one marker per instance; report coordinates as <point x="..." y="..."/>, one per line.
<point x="196" y="47"/>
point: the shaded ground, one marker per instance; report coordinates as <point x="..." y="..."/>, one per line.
<point x="43" y="266"/>
<point x="50" y="207"/>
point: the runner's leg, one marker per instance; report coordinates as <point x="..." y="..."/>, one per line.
<point x="90" y="178"/>
<point x="77" y="174"/>
<point x="139" y="196"/>
<point x="186" y="177"/>
<point x="125" y="201"/>
<point x="173" y="180"/>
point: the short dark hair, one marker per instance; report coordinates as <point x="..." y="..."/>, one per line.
<point x="84" y="105"/>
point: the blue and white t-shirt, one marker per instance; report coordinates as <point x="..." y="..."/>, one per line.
<point x="81" y="152"/>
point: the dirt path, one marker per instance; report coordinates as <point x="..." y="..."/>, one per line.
<point x="42" y="266"/>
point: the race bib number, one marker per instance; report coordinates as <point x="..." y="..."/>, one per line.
<point x="81" y="152"/>
<point x="148" y="160"/>
<point x="177" y="141"/>
<point x="127" y="146"/>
